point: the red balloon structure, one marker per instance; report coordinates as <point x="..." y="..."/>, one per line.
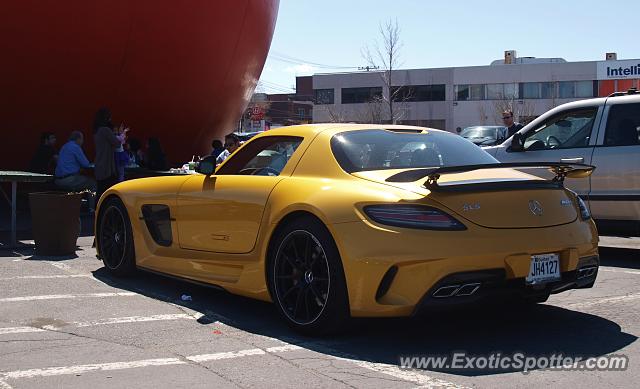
<point x="181" y="71"/>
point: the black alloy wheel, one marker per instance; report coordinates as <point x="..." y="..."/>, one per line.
<point x="302" y="281"/>
<point x="115" y="240"/>
<point x="306" y="278"/>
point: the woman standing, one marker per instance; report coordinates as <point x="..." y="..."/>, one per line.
<point x="106" y="145"/>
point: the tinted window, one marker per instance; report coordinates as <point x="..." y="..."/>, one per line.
<point x="623" y="125"/>
<point x="566" y="130"/>
<point x="419" y="93"/>
<point x="381" y="149"/>
<point x="266" y="156"/>
<point x="360" y="95"/>
<point x="324" y="96"/>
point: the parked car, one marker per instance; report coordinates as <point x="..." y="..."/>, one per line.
<point x="245" y="136"/>
<point x="603" y="132"/>
<point x="485" y="135"/>
<point x="342" y="220"/>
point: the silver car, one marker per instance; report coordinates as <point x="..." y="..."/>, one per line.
<point x="485" y="135"/>
<point x="603" y="132"/>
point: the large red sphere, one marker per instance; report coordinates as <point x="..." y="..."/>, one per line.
<point x="181" y="71"/>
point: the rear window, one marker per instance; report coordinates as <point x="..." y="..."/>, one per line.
<point x="381" y="149"/>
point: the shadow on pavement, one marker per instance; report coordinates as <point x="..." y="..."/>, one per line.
<point x="539" y="331"/>
<point x="620" y="257"/>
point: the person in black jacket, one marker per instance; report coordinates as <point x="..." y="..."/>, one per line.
<point x="512" y="127"/>
<point x="46" y="156"/>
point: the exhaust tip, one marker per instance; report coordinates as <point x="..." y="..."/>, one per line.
<point x="468" y="289"/>
<point x="446" y="291"/>
<point x="587" y="272"/>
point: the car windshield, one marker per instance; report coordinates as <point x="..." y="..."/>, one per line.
<point x="382" y="149"/>
<point x="478" y="132"/>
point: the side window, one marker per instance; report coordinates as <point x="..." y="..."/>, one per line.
<point x="567" y="130"/>
<point x="623" y="125"/>
<point x="266" y="156"/>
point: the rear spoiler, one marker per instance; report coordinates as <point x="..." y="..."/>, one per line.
<point x="560" y="171"/>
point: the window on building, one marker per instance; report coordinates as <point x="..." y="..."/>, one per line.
<point x="584" y="88"/>
<point x="413" y="93"/>
<point x="566" y="89"/>
<point x="502" y="91"/>
<point x="470" y="92"/>
<point x="360" y="95"/>
<point x="477" y="92"/>
<point x="530" y="90"/>
<point x="462" y="92"/>
<point x="301" y="113"/>
<point x="536" y="90"/>
<point x="547" y="90"/>
<point x="323" y="96"/>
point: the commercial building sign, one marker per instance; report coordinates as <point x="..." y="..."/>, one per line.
<point x="614" y="70"/>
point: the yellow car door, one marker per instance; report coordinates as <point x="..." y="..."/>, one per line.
<point x="222" y="213"/>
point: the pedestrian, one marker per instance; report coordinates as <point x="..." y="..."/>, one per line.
<point x="121" y="156"/>
<point x="155" y="158"/>
<point x="216" y="147"/>
<point x="45" y="158"/>
<point x="70" y="162"/>
<point x="512" y="127"/>
<point x="106" y="145"/>
<point x="231" y="144"/>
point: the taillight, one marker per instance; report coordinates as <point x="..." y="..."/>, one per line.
<point x="413" y="216"/>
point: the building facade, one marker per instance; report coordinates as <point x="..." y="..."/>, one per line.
<point x="448" y="98"/>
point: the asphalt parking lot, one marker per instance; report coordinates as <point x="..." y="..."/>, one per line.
<point x="64" y="322"/>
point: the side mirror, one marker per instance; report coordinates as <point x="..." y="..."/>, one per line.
<point x="207" y="166"/>
<point x="517" y="143"/>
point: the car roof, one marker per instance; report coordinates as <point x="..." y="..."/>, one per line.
<point x="306" y="130"/>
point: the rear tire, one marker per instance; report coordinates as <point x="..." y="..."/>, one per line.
<point x="306" y="279"/>
<point x="115" y="238"/>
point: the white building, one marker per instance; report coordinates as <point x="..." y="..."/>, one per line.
<point x="448" y="98"/>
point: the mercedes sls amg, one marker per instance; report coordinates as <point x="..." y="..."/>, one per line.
<point x="342" y="220"/>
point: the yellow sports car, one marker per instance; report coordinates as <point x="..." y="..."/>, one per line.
<point x="333" y="221"/>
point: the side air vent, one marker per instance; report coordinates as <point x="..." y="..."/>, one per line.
<point x="157" y="217"/>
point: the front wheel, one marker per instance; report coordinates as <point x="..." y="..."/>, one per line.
<point x="115" y="239"/>
<point x="306" y="278"/>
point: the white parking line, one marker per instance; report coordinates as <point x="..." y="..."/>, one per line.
<point x="637" y="272"/>
<point x="19" y="330"/>
<point x="423" y="380"/>
<point x="67" y="296"/>
<point x="4" y="385"/>
<point x="78" y="369"/>
<point x="113" y="320"/>
<point x="47" y="277"/>
<point x="60" y="265"/>
<point x="605" y="300"/>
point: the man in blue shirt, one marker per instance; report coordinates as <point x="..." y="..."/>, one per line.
<point x="70" y="160"/>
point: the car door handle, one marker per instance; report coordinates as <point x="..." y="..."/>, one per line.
<point x="572" y="160"/>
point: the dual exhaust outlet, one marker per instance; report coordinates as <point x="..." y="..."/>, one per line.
<point x="456" y="290"/>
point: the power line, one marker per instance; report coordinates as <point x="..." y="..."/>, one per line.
<point x="287" y="58"/>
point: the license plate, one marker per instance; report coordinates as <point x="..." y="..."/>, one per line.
<point x="544" y="268"/>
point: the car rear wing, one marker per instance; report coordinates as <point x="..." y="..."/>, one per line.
<point x="559" y="170"/>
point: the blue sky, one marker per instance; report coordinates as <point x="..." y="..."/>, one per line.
<point x="444" y="33"/>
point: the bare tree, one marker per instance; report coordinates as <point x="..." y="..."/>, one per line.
<point x="387" y="57"/>
<point x="335" y="113"/>
<point x="373" y="112"/>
